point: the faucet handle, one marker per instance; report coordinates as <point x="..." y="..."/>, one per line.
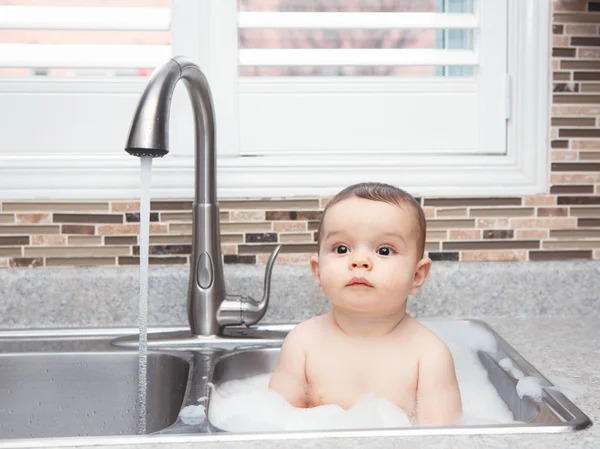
<point x="242" y="309"/>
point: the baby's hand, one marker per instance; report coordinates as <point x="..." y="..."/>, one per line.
<point x="438" y="395"/>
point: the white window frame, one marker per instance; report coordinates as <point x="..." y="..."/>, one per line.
<point x="522" y="170"/>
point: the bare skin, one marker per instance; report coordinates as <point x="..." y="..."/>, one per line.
<point x="367" y="266"/>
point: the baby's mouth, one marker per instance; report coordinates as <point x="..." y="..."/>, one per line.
<point x="359" y="282"/>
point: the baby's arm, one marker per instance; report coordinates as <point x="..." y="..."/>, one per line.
<point x="438" y="395"/>
<point x="289" y="377"/>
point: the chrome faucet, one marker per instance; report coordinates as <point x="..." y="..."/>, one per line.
<point x="209" y="306"/>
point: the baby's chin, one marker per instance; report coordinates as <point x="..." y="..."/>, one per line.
<point x="367" y="308"/>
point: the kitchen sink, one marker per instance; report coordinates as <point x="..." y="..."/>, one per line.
<point x="78" y="383"/>
<point x="72" y="393"/>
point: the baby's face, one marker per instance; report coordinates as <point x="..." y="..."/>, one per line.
<point x="368" y="256"/>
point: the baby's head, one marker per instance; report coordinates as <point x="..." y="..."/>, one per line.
<point x="371" y="249"/>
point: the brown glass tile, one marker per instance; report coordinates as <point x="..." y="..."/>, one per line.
<point x="585" y="211"/>
<point x="443" y="256"/>
<point x="25" y="262"/>
<point x="589" y="155"/>
<point x="573" y="121"/>
<point x="492" y="244"/>
<point x="571" y="244"/>
<point x="185" y="217"/>
<point x="131" y="260"/>
<point x="586" y="41"/>
<point x="313" y="225"/>
<point x="594" y="6"/>
<point x="559" y="144"/>
<point x="44" y="206"/>
<point x="87" y="218"/>
<point x="7" y="218"/>
<point x="171" y="205"/>
<point x="586" y="76"/>
<point x="122" y="240"/>
<point x="579" y="132"/>
<point x="82" y="240"/>
<point x="576" y="98"/>
<point x="236" y="258"/>
<point x="131" y="229"/>
<point x="261" y="237"/>
<point x="76" y="251"/>
<point x="10" y="251"/>
<point x="33" y="229"/>
<point x="575" y="233"/>
<point x="571" y="200"/>
<point x="79" y="261"/>
<point x="450" y="224"/>
<point x="134" y="217"/>
<point x="553" y="211"/>
<point x="588" y="222"/>
<point x="78" y="229"/>
<point x="269" y="204"/>
<point x="451" y="202"/>
<point x="435" y="236"/>
<point x="289" y="248"/>
<point x="563" y="52"/>
<point x="503" y="212"/>
<point x="14" y="240"/>
<point x="293" y="215"/>
<point x="498" y="234"/>
<point x="124" y="206"/>
<point x="559" y="255"/>
<point x="582" y="17"/>
<point x="557" y="29"/>
<point x="574" y="166"/>
<point x="572" y="189"/>
<point x="580" y="64"/>
<point x="590" y="87"/>
<point x="561" y="76"/>
<point x="432" y="246"/>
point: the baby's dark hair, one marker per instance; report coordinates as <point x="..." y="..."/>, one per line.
<point x="385" y="193"/>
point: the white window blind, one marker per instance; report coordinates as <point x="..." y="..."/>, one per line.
<point x="356" y="77"/>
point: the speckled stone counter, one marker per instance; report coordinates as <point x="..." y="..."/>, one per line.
<point x="550" y="313"/>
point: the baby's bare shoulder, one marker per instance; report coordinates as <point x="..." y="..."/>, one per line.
<point x="307" y="331"/>
<point x="427" y="342"/>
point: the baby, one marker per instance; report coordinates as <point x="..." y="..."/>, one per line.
<point x="370" y="258"/>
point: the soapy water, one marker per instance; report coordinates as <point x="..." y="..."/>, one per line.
<point x="249" y="406"/>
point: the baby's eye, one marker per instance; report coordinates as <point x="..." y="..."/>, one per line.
<point x="384" y="251"/>
<point x="341" y="249"/>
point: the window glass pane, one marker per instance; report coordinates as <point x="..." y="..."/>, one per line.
<point x="347" y="38"/>
<point x="105" y="43"/>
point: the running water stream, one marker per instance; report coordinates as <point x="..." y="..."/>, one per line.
<point x="146" y="178"/>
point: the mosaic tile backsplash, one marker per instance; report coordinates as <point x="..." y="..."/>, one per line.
<point x="564" y="223"/>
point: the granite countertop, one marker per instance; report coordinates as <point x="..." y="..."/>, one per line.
<point x="548" y="312"/>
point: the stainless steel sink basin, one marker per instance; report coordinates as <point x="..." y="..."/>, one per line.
<point x="74" y="393"/>
<point x="553" y="412"/>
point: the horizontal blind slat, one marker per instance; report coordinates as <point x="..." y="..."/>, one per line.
<point x="84" y="18"/>
<point x="360" y="57"/>
<point x="359" y="20"/>
<point x="83" y="56"/>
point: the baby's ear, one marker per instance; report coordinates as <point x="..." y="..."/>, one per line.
<point x="421" y="274"/>
<point x="314" y="266"/>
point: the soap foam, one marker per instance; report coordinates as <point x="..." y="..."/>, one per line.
<point x="249" y="406"/>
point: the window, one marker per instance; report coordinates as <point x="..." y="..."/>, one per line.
<point x="441" y="97"/>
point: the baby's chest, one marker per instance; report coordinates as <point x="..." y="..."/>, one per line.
<point x="344" y="378"/>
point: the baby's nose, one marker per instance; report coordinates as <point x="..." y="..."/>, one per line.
<point x="360" y="262"/>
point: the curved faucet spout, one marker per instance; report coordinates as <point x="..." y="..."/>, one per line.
<point x="149" y="136"/>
